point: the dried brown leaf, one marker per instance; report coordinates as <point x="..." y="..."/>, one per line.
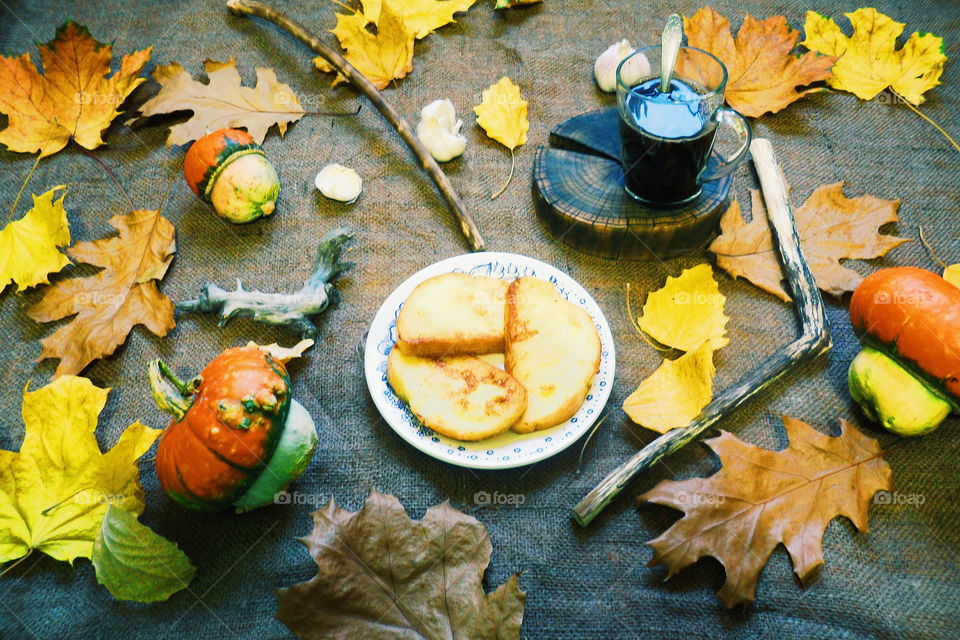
<point x="382" y="575"/>
<point x="763" y="72"/>
<point x="108" y="304"/>
<point x="832" y="227"/>
<point x="762" y="498"/>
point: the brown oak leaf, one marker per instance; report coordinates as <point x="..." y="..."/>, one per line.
<point x="223" y="101"/>
<point x="760" y="499"/>
<point x="108" y="304"/>
<point x="763" y="74"/>
<point x="73" y="98"/>
<point x="832" y="227"/>
<point x="382" y="575"/>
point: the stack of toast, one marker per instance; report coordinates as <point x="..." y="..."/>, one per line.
<point x="450" y="333"/>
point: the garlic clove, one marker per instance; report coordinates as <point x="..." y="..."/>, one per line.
<point x="439" y="131"/>
<point x="338" y="182"/>
<point x="605" y="68"/>
<point x="634" y="70"/>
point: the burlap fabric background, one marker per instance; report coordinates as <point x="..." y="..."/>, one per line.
<point x="899" y="581"/>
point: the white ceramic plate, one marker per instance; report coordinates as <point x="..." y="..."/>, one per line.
<point x="508" y="449"/>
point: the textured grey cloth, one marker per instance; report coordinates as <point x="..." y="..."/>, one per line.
<point x="900" y="580"/>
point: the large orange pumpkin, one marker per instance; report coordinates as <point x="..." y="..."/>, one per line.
<point x="227" y="423"/>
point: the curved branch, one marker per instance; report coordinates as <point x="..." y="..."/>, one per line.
<point x="360" y="81"/>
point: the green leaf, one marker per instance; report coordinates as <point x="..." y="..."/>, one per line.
<point x="134" y="563"/>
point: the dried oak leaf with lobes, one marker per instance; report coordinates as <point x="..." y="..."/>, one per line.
<point x="381" y="575"/>
<point x="222" y="102"/>
<point x="831" y="227"/>
<point x="73" y="98"/>
<point x="108" y="304"/>
<point x="763" y="74"/>
<point x="762" y="498"/>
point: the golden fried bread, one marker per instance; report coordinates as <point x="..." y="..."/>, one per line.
<point x="552" y="349"/>
<point x="462" y="397"/>
<point x="453" y="314"/>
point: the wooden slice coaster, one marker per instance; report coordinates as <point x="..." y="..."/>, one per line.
<point x="578" y="188"/>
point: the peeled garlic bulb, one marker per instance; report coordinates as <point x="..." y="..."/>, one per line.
<point x="439" y="131"/>
<point x="605" y="68"/>
<point x="338" y="182"/>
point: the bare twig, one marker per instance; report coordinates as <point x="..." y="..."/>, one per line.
<point x="357" y="79"/>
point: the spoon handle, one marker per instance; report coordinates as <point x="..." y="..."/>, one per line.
<point x="669" y="47"/>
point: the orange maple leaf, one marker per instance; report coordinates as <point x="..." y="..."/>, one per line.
<point x="762" y="498"/>
<point x="831" y="227"/>
<point x="108" y="304"/>
<point x="73" y="98"/>
<point x="763" y="75"/>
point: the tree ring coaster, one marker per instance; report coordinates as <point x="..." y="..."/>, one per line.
<point x="579" y="194"/>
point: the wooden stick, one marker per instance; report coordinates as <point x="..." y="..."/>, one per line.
<point x="813" y="341"/>
<point x="360" y="81"/>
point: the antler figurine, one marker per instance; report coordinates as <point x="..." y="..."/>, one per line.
<point x="286" y="309"/>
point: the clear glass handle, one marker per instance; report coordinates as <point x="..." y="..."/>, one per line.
<point x="740" y="125"/>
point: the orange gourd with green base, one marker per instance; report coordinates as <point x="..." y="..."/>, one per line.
<point x="237" y="437"/>
<point x="230" y="171"/>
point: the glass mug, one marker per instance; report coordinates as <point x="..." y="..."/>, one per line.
<point x="666" y="138"/>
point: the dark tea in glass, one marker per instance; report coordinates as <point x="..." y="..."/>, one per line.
<point x="666" y="137"/>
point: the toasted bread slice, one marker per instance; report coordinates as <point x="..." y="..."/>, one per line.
<point x="552" y="349"/>
<point x="453" y="314"/>
<point x="462" y="397"/>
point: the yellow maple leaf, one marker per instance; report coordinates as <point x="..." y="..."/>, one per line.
<point x="503" y="114"/>
<point x="73" y="98"/>
<point x="687" y="311"/>
<point x="222" y="101"/>
<point x="28" y="246"/>
<point x="55" y="491"/>
<point x="422" y="17"/>
<point x="382" y="57"/>
<point x="869" y="60"/>
<point x="675" y="393"/>
<point x="107" y="305"/>
<point x="951" y="274"/>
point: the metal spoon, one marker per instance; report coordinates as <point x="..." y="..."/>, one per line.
<point x="669" y="48"/>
